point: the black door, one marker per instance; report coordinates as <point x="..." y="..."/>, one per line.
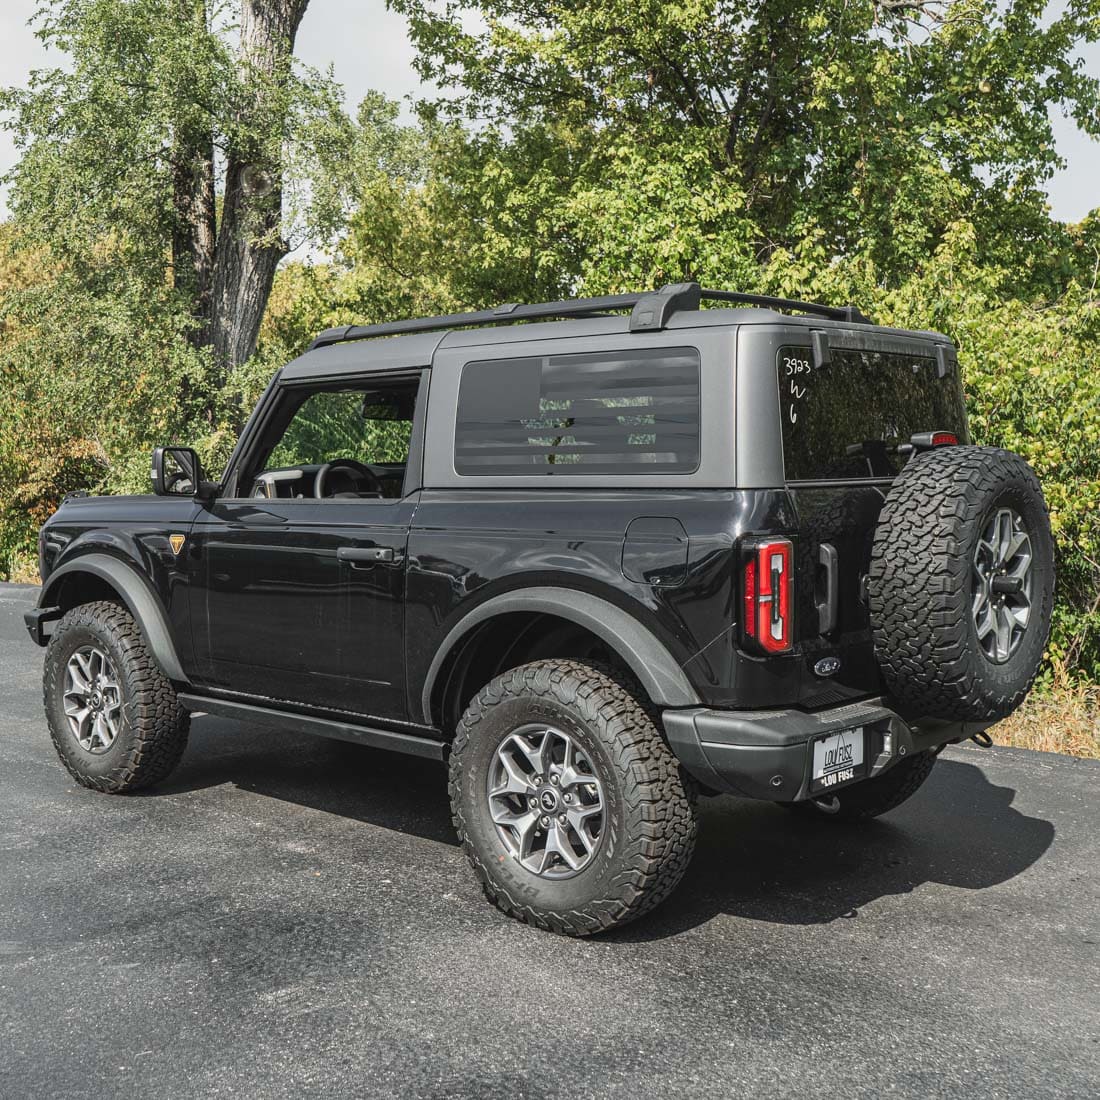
<point x="303" y="601"/>
<point x="300" y="579"/>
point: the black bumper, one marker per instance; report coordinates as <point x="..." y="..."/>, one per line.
<point x="768" y="754"/>
<point x="37" y="620"/>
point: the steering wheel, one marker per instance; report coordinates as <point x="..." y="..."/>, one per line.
<point x="358" y="470"/>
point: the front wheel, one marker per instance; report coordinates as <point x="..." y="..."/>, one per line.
<point x="113" y="714"/>
<point x="570" y="805"/>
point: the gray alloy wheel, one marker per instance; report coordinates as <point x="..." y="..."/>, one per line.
<point x="546" y="801"/>
<point x="1001" y="605"/>
<point x="93" y="699"/>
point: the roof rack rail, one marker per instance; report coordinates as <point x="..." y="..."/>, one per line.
<point x="833" y="313"/>
<point x="651" y="312"/>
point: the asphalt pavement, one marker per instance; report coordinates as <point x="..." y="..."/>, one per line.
<point x="291" y="917"/>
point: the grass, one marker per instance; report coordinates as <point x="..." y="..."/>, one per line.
<point x="1065" y="719"/>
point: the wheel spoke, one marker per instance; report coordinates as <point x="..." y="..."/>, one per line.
<point x="1016" y="546"/>
<point x="981" y="598"/>
<point x="514" y="781"/>
<point x="558" y="844"/>
<point x="1004" y="633"/>
<point x="532" y="752"/>
<point x="1004" y="534"/>
<point x="578" y="822"/>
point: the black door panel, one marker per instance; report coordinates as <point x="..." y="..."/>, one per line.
<point x="286" y="618"/>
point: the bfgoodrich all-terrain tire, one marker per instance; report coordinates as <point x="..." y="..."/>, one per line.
<point x="112" y="713"/>
<point x="872" y="797"/>
<point x="961" y="583"/>
<point x="571" y="807"/>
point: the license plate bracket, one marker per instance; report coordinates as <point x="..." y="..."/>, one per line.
<point x="838" y="758"/>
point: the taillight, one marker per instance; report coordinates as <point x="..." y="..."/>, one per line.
<point x="767" y="594"/>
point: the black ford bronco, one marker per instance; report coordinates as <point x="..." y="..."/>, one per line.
<point x="624" y="552"/>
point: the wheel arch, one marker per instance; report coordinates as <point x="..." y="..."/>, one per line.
<point x="623" y="635"/>
<point x="98" y="576"/>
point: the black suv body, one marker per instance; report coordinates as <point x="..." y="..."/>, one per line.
<point x="683" y="501"/>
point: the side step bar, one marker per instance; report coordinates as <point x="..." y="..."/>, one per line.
<point x="305" y="723"/>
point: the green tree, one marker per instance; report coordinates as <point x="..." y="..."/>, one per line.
<point x="869" y="127"/>
<point x="172" y="143"/>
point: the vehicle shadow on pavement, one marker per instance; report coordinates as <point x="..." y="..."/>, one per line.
<point x="753" y="860"/>
<point x="386" y="789"/>
<point x="761" y="862"/>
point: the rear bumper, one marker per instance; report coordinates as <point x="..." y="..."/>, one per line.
<point x="768" y="754"/>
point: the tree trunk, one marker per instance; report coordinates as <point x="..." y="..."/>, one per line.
<point x="250" y="242"/>
<point x="194" y="229"/>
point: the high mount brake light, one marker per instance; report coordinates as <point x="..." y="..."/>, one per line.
<point x="767" y="594"/>
<point x="923" y="440"/>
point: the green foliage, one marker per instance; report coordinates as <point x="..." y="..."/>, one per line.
<point x="870" y="126"/>
<point x="88" y="384"/>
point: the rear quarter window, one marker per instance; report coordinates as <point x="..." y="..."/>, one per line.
<point x="628" y="412"/>
<point x="845" y="420"/>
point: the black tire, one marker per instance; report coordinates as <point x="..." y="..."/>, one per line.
<point x="923" y="579"/>
<point x="872" y="797"/>
<point x="648" y="826"/>
<point x="152" y="732"/>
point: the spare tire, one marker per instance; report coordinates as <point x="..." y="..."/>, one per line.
<point x="961" y="583"/>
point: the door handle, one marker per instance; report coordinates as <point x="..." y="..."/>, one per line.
<point x="826" y="607"/>
<point x="257" y="518"/>
<point x="360" y="556"/>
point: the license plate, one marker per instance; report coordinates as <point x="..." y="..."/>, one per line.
<point x="838" y="759"/>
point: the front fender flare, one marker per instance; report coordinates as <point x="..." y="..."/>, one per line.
<point x="136" y="594"/>
<point x="649" y="660"/>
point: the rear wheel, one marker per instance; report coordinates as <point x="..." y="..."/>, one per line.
<point x="571" y="807"/>
<point x="112" y="713"/>
<point x="872" y="797"/>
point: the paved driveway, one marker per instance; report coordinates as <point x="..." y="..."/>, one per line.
<point x="290" y="917"/>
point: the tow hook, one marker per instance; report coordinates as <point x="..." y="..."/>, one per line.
<point x="982" y="738"/>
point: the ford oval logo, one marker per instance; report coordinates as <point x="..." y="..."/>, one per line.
<point x="827" y="666"/>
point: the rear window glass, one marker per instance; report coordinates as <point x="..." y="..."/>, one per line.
<point x="602" y="413"/>
<point x="845" y="420"/>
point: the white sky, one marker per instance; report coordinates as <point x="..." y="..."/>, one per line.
<point x="368" y="48"/>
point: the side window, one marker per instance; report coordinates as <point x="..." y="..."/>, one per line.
<point x="628" y="412"/>
<point x="338" y="441"/>
<point x="343" y="424"/>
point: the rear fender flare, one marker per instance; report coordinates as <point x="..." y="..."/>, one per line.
<point x="135" y="592"/>
<point x="656" y="669"/>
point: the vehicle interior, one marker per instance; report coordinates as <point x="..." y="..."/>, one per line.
<point x="337" y="442"/>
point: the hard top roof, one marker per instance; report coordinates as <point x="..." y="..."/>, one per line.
<point x="355" y="349"/>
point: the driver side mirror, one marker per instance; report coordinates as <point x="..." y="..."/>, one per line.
<point x="177" y="472"/>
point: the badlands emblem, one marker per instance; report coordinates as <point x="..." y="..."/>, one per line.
<point x="176" y="542"/>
